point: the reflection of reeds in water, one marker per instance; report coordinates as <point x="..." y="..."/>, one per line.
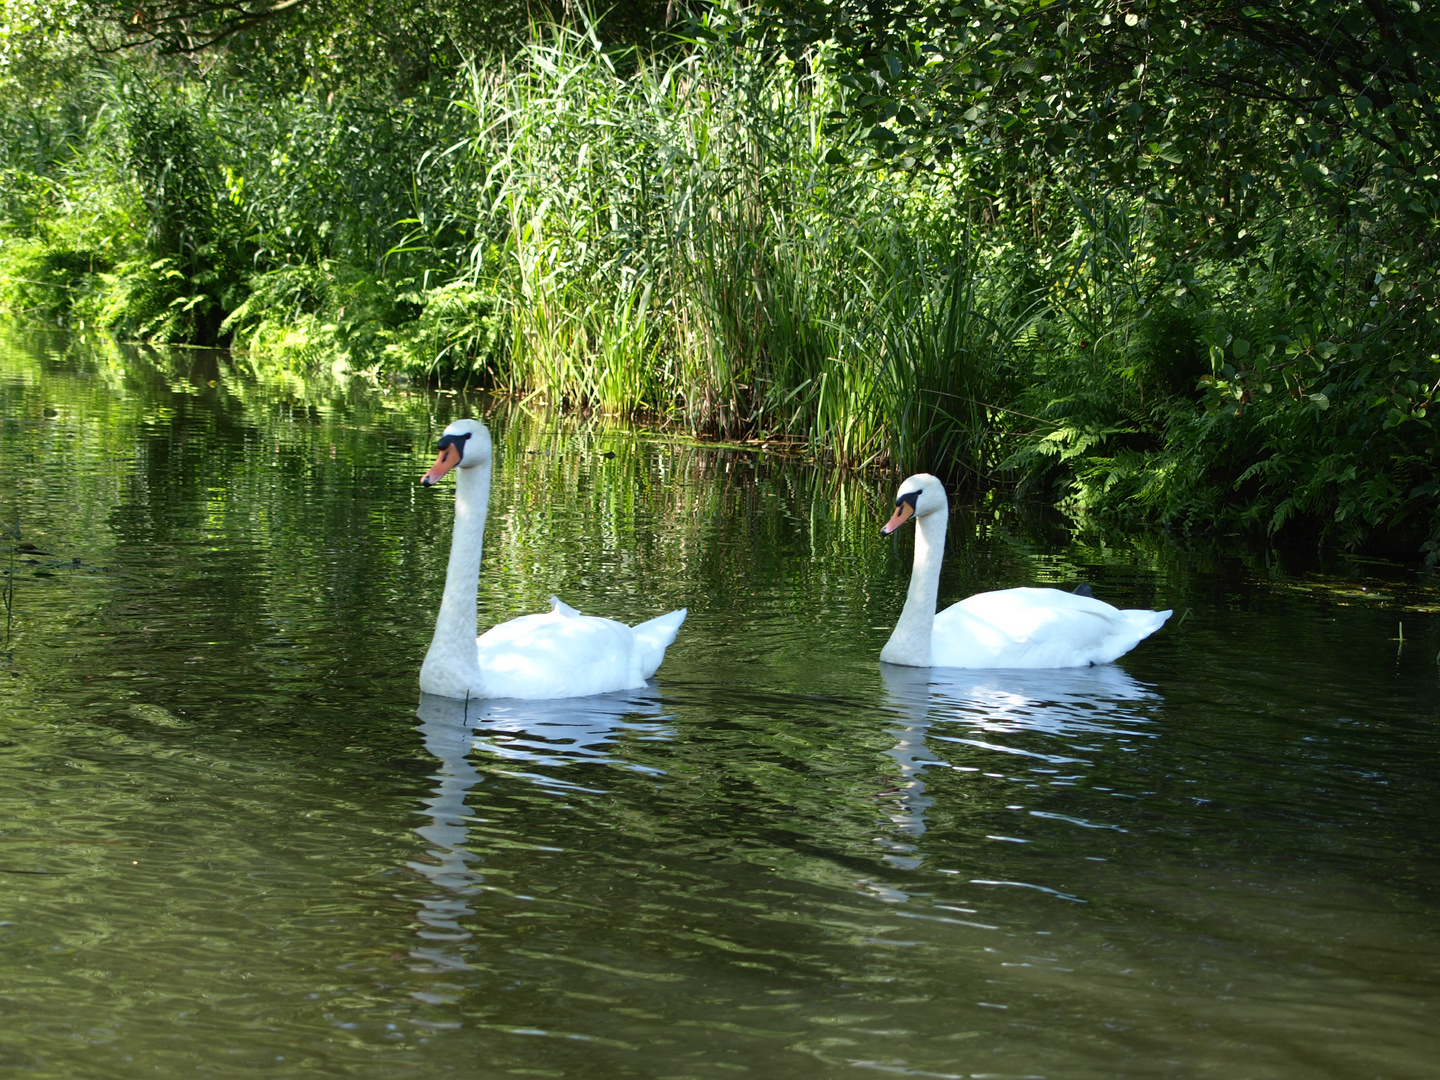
<point x="279" y="465"/>
<point x="10" y="580"/>
<point x="665" y="510"/>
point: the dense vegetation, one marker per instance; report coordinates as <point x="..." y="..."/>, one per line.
<point x="1156" y="262"/>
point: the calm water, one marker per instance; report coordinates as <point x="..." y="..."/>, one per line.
<point x="229" y="844"/>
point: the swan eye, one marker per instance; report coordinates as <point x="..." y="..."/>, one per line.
<point x="908" y="498"/>
<point x="457" y="441"/>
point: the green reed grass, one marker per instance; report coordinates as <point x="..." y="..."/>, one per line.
<point x="675" y="242"/>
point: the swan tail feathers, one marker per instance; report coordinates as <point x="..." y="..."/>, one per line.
<point x="654" y="637"/>
<point x="1147" y="622"/>
<point x="559" y="607"/>
<point x="1138" y="624"/>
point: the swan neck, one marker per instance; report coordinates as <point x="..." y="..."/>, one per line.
<point x="909" y="644"/>
<point x="452" y="664"/>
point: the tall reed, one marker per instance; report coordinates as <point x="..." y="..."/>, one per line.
<point x="677" y="240"/>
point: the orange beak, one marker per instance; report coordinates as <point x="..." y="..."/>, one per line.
<point x="448" y="459"/>
<point x="903" y="513"/>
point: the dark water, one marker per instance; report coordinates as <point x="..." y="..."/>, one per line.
<point x="229" y="845"/>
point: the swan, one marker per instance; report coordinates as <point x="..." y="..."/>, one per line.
<point x="1008" y="628"/>
<point x="558" y="654"/>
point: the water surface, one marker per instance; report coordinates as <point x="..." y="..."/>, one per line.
<point x="234" y="840"/>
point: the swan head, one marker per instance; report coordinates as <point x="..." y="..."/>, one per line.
<point x="464" y="444"/>
<point x="918" y="496"/>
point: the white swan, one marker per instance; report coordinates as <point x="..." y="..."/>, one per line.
<point x="556" y="655"/>
<point x="1009" y="628"/>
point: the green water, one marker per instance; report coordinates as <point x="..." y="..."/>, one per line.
<point x="230" y="845"/>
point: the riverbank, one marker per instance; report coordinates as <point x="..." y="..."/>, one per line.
<point x="700" y="236"/>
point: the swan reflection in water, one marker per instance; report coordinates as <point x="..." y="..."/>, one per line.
<point x="546" y="734"/>
<point x="1052" y="717"/>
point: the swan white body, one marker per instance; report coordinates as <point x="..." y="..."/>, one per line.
<point x="555" y="655"/>
<point x="1009" y="628"/>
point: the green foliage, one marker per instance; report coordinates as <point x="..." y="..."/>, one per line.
<point x="1260" y="216"/>
<point x="66" y="216"/>
<point x="1142" y="93"/>
<point x="390" y="49"/>
<point x="677" y="236"/>
<point x="1252" y="395"/>
<point x="1115" y="269"/>
<point x="41" y="43"/>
